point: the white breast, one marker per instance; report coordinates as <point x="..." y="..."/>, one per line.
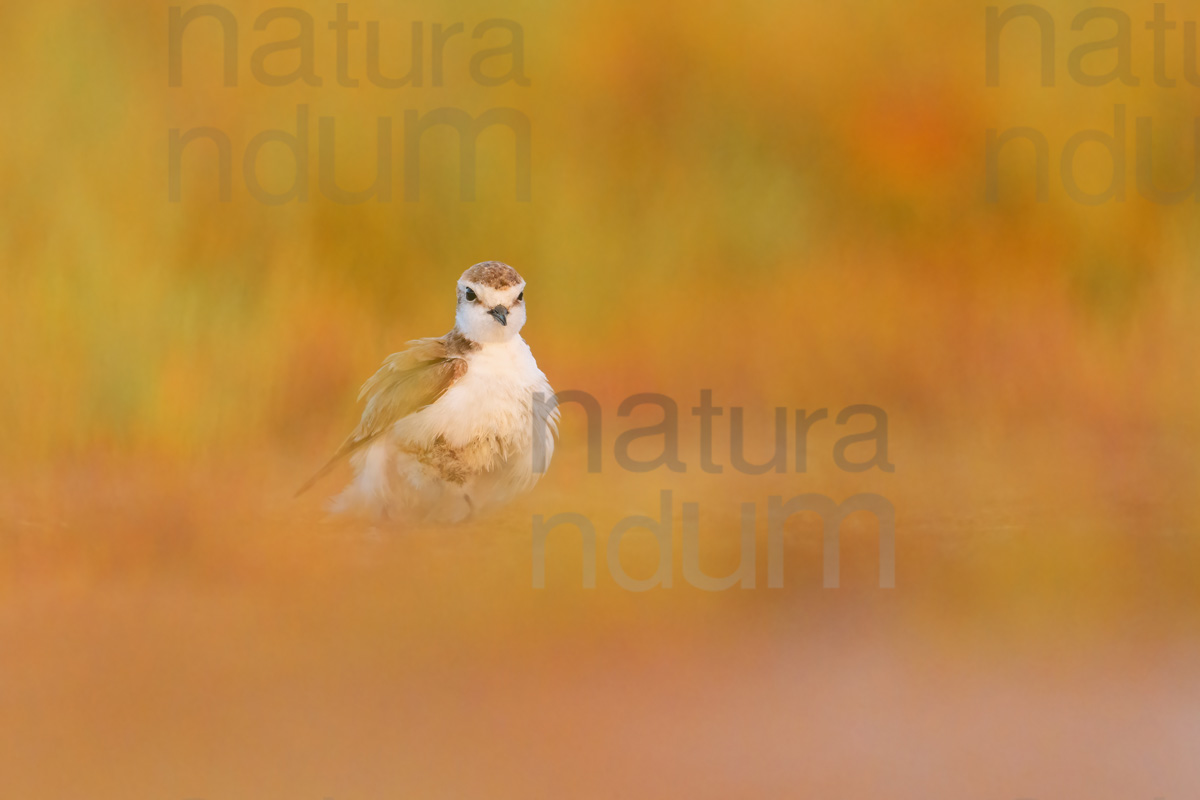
<point x="487" y="416"/>
<point x="493" y="399"/>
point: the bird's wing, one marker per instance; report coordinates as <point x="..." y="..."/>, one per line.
<point x="407" y="382"/>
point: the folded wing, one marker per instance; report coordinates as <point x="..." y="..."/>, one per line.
<point x="407" y="382"/>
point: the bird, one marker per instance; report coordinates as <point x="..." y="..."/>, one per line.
<point x="450" y="426"/>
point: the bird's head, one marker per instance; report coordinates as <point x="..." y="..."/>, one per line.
<point x="491" y="302"/>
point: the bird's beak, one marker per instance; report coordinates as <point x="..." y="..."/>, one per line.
<point x="501" y="314"/>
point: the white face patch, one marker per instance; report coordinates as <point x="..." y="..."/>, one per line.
<point x="475" y="318"/>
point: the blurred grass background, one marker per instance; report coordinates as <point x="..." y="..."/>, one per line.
<point x="782" y="203"/>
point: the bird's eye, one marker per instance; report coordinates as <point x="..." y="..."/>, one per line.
<point x="520" y="297"/>
<point x="471" y="295"/>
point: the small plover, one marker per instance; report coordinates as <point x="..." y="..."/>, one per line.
<point x="448" y="428"/>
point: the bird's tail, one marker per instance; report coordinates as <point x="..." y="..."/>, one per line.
<point x="321" y="473"/>
<point x="348" y="447"/>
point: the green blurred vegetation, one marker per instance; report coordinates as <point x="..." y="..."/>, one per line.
<point x="783" y="203"/>
<point x="784" y="197"/>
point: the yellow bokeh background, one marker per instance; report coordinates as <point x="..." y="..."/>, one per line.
<point x="783" y="203"/>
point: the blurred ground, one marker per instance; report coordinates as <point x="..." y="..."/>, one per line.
<point x="160" y="646"/>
